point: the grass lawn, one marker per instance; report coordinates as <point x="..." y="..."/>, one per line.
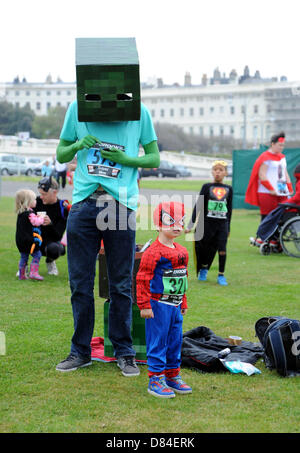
<point x="37" y="321"/>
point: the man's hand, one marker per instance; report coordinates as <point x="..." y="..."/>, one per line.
<point x="116" y="155"/>
<point x="87" y="142"/>
<point x="147" y="313"/>
<point x="47" y="220"/>
<point x="183" y="311"/>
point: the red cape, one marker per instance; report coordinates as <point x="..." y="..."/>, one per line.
<point x="251" y="192"/>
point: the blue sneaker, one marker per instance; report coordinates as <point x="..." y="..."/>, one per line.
<point x="222" y="280"/>
<point x="158" y="387"/>
<point x="178" y="385"/>
<point x="202" y="276"/>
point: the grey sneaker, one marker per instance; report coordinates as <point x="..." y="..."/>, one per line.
<point x="72" y="362"/>
<point x="52" y="269"/>
<point x="128" y="366"/>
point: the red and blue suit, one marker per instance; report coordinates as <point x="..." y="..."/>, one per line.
<point x="161" y="284"/>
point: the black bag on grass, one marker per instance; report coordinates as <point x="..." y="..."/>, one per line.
<point x="280" y="338"/>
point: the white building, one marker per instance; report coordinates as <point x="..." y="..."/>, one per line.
<point x="38" y="96"/>
<point x="246" y="108"/>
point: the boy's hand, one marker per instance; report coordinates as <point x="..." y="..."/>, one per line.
<point x="147" y="313"/>
<point x="183" y="311"/>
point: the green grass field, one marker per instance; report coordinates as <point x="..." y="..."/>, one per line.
<point x="36" y="318"/>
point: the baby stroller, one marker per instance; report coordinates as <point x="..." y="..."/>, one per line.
<point x="279" y="231"/>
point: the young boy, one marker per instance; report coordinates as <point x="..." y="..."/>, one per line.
<point x="161" y="285"/>
<point x="217" y="217"/>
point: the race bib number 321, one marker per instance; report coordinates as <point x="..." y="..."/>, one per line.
<point x="98" y="166"/>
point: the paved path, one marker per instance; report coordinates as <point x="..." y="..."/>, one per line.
<point x="8" y="189"/>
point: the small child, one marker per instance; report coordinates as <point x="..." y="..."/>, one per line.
<point x="161" y="285"/>
<point x="217" y="217"/>
<point x="296" y="198"/>
<point x="28" y="234"/>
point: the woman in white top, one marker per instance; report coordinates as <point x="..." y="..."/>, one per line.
<point x="269" y="182"/>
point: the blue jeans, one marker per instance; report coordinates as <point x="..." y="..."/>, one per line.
<point x="84" y="238"/>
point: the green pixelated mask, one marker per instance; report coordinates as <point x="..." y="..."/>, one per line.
<point x="108" y="80"/>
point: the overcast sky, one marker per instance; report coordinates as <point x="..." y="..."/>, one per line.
<point x="173" y="36"/>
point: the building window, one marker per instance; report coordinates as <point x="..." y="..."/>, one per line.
<point x="201" y="130"/>
<point x="162" y="113"/>
<point x="171" y="112"/>
<point x="48" y="93"/>
<point x="191" y="130"/>
<point x="68" y="93"/>
<point x="58" y="93"/>
<point x="243" y="109"/>
<point x="221" y="130"/>
<point x="38" y="106"/>
<point x="48" y="105"/>
<point x="38" y="93"/>
<point x="201" y="111"/>
<point x="232" y="110"/>
<point x="211" y="131"/>
<point x="269" y="108"/>
<point x="17" y="93"/>
<point x="27" y="93"/>
<point x="221" y="109"/>
<point x="211" y="110"/>
<point x="191" y="111"/>
<point x="153" y="113"/>
<point x="58" y="104"/>
<point x="27" y="105"/>
<point x="181" y="112"/>
<point x="231" y="130"/>
<point x="255" y="109"/>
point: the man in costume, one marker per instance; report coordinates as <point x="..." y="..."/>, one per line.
<point x="269" y="182"/>
<point x="104" y="129"/>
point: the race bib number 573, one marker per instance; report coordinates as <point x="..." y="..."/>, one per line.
<point x="98" y="166"/>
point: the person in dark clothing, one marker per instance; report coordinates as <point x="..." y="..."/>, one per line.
<point x="28" y="234"/>
<point x="216" y="199"/>
<point x="55" y="213"/>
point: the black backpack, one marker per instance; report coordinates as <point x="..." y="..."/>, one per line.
<point x="280" y="338"/>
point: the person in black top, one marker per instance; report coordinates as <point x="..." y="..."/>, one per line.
<point x="215" y="208"/>
<point x="28" y="234"/>
<point x="55" y="221"/>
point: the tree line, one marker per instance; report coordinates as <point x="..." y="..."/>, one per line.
<point x="14" y="119"/>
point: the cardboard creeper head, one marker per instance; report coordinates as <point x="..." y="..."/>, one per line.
<point x="108" y="80"/>
<point x="169" y="214"/>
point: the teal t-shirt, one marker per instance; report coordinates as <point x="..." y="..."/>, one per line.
<point x="129" y="134"/>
